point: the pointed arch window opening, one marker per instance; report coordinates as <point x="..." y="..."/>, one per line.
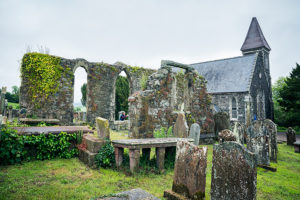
<point x="233" y="108"/>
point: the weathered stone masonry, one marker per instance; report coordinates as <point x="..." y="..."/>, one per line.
<point x="101" y="78"/>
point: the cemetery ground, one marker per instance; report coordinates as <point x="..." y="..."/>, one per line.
<point x="71" y="179"/>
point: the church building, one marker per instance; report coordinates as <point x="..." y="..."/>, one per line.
<point x="241" y="86"/>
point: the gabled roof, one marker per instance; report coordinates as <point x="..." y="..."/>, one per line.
<point x="228" y="75"/>
<point x="255" y="38"/>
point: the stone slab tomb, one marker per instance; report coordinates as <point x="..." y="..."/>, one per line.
<point x="195" y="133"/>
<point x="181" y="128"/>
<point x="189" y="173"/>
<point x="272" y="131"/>
<point x="258" y="141"/>
<point x="290" y="136"/>
<point x="234" y="173"/>
<point x="89" y="148"/>
<point x="134" y="194"/>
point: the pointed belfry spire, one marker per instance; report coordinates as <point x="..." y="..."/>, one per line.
<point x="255" y="38"/>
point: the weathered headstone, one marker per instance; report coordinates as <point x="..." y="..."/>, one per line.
<point x="272" y="131"/>
<point x="290" y="136"/>
<point x="10" y="117"/>
<point x="195" y="133"/>
<point x="2" y="100"/>
<point x="189" y="173"/>
<point x="297" y="147"/>
<point x="222" y="121"/>
<point x="258" y="141"/>
<point x="102" y="128"/>
<point x="180" y="127"/>
<point x="234" y="172"/>
<point x="226" y="136"/>
<point x="239" y="131"/>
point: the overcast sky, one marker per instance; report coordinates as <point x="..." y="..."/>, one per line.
<point x="142" y="33"/>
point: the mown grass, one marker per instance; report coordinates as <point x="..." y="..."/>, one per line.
<point x="71" y="179"/>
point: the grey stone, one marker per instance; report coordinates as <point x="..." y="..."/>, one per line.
<point x="272" y="132"/>
<point x="226" y="136"/>
<point x="234" y="173"/>
<point x="290" y="136"/>
<point x="134" y="194"/>
<point x="189" y="173"/>
<point x="222" y="122"/>
<point x="180" y="127"/>
<point x="195" y="133"/>
<point x="258" y="141"/>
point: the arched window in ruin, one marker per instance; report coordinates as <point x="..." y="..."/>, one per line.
<point x="79" y="95"/>
<point x="121" y="94"/>
<point x="233" y="108"/>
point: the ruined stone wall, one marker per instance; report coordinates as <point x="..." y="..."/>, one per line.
<point x="166" y="94"/>
<point x="55" y="100"/>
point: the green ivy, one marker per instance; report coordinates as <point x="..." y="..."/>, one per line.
<point x="43" y="73"/>
<point x="16" y="148"/>
<point x="106" y="156"/>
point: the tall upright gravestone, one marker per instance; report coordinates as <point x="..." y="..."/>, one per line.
<point x="189" y="173"/>
<point x="290" y="136"/>
<point x="195" y="133"/>
<point x="222" y="121"/>
<point x="234" y="173"/>
<point x="258" y="141"/>
<point x="181" y="128"/>
<point x="272" y="131"/>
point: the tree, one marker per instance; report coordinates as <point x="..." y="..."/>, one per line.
<point x="280" y="116"/>
<point x="289" y="96"/>
<point x="83" y="92"/>
<point x="122" y="94"/>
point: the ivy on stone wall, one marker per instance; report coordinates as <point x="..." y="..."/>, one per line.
<point x="43" y="73"/>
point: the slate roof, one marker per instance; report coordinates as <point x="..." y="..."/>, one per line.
<point x="228" y="75"/>
<point x="255" y="37"/>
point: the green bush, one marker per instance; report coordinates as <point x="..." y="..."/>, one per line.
<point x="163" y="134"/>
<point x="106" y="156"/>
<point x="16" y="148"/>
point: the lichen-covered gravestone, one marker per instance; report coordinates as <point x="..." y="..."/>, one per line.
<point x="195" y="133"/>
<point x="272" y="131"/>
<point x="102" y="128"/>
<point x="222" y="121"/>
<point x="239" y="130"/>
<point x="226" y="136"/>
<point x="189" y="173"/>
<point x="258" y="141"/>
<point x="180" y="127"/>
<point x="234" y="172"/>
<point x="290" y="136"/>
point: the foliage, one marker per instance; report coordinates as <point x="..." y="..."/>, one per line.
<point x="163" y="134"/>
<point x="43" y="73"/>
<point x="143" y="81"/>
<point x="122" y="94"/>
<point x="52" y="179"/>
<point x="14" y="105"/>
<point x="286" y="98"/>
<point x="83" y="92"/>
<point x="16" y="148"/>
<point x="13" y="97"/>
<point x="106" y="156"/>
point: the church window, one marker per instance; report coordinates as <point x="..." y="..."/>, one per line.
<point x="233" y="108"/>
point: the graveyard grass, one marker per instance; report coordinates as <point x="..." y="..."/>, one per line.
<point x="71" y="179"/>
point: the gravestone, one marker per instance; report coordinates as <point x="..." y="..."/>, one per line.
<point x="272" y="131"/>
<point x="10" y="113"/>
<point x="134" y="194"/>
<point x="2" y="100"/>
<point x="102" y="128"/>
<point x="290" y="136"/>
<point x="226" y="136"/>
<point x="180" y="127"/>
<point x="234" y="172"/>
<point x="189" y="173"/>
<point x="258" y="141"/>
<point x="239" y="131"/>
<point x="222" y="121"/>
<point x="195" y="133"/>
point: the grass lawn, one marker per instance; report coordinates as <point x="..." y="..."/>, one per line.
<point x="71" y="179"/>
